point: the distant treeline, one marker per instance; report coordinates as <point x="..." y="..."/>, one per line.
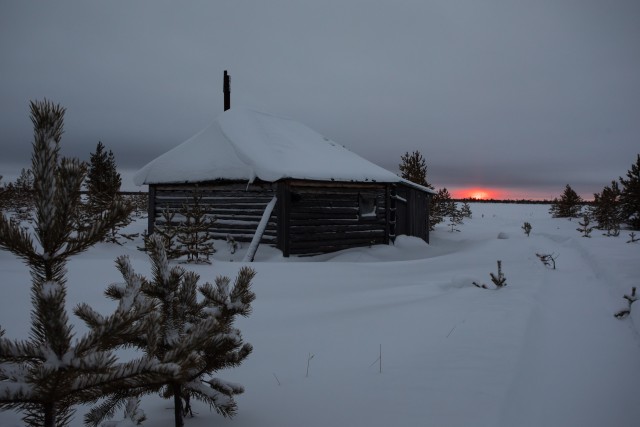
<point x="510" y="201"/>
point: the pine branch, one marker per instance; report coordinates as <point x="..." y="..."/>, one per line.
<point x="498" y="280"/>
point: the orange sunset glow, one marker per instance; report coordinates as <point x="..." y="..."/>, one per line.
<point x="480" y="193"/>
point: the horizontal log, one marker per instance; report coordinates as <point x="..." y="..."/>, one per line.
<point x="331" y="218"/>
<point x="334" y="203"/>
<point x="331" y="245"/>
<point x="323" y="221"/>
<point x="299" y="216"/>
<point x="324" y="210"/>
<point x="311" y="229"/>
<point x="335" y="194"/>
<point x="236" y="233"/>
<point x="245" y="238"/>
<point x="213" y="211"/>
<point x="236" y="204"/>
<point x="232" y="222"/>
<point x="256" y="197"/>
<point x="333" y="185"/>
<point x="238" y="186"/>
<point x="341" y="237"/>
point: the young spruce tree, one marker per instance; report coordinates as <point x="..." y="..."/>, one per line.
<point x="103" y="180"/>
<point x="194" y="234"/>
<point x="606" y="209"/>
<point x="442" y="206"/>
<point x="630" y="196"/>
<point x="103" y="185"/>
<point x="46" y="375"/>
<point x="568" y="206"/>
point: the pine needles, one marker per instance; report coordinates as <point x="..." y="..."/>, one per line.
<point x="499" y="280"/>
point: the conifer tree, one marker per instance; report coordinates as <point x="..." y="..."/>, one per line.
<point x="465" y="211"/>
<point x="45" y="375"/>
<point x="568" y="206"/>
<point x="103" y="180"/>
<point x="413" y="168"/>
<point x="606" y="209"/>
<point x="193" y="234"/>
<point x="168" y="230"/>
<point x="584" y="226"/>
<point x="455" y="219"/>
<point x="103" y="185"/>
<point x="196" y="337"/>
<point x="442" y="206"/>
<point x="17" y="196"/>
<point x="630" y="196"/>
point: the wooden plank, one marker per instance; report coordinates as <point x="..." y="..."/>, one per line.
<point x="323" y="221"/>
<point x="334" y="185"/>
<point x="326" y="210"/>
<point x="255" y="241"/>
<point x="352" y="202"/>
<point x="244" y="238"/>
<point x="283" y="210"/>
<point x="387" y="213"/>
<point x="219" y="186"/>
<point x="352" y="235"/>
<point x="308" y="216"/>
<point x="151" y="212"/>
<point x="310" y="229"/>
<point x="237" y="211"/>
<point x="331" y="245"/>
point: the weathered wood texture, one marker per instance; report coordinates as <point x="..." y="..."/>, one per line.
<point x="412" y="212"/>
<point x="236" y="207"/>
<point x="331" y="217"/>
<point x="309" y="218"/>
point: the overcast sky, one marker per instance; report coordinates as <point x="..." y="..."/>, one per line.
<point x="522" y="94"/>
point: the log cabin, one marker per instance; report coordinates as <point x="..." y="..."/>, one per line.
<point x="300" y="191"/>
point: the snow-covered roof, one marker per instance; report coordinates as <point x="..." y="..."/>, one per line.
<point x="245" y="144"/>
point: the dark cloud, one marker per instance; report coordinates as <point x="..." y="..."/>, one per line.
<point x="519" y="94"/>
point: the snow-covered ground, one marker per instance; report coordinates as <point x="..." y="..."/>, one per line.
<point x="544" y="351"/>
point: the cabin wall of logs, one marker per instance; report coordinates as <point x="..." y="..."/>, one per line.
<point x="236" y="207"/>
<point x="310" y="217"/>
<point x="322" y="217"/>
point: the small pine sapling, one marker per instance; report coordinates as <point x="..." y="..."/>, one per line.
<point x="167" y="229"/>
<point x="466" y="210"/>
<point x="232" y="244"/>
<point x="613" y="232"/>
<point x="498" y="280"/>
<point x="527" y="228"/>
<point x="633" y="238"/>
<point x="549" y="260"/>
<point x="194" y="233"/>
<point x="584" y="226"/>
<point x="197" y="338"/>
<point x="630" y="300"/>
<point x="455" y="219"/>
<point x="54" y="370"/>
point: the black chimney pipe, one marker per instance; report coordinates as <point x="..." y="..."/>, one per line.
<point x="226" y="89"/>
